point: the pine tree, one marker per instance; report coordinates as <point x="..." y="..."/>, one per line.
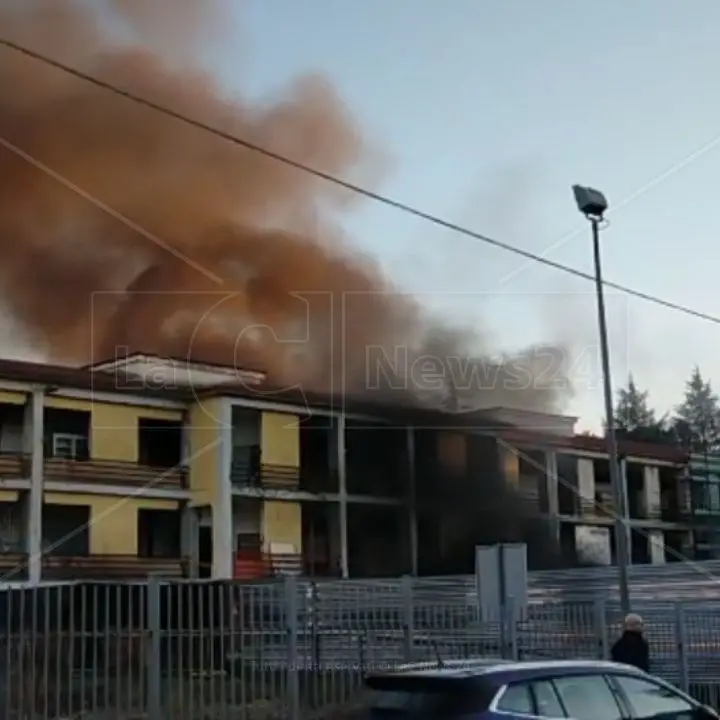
<point x="697" y="420"/>
<point x="636" y="420"/>
<point x="633" y="411"/>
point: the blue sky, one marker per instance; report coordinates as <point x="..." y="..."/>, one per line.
<point x="489" y="111"/>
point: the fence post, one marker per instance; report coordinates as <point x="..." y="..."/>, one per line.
<point x="153" y="670"/>
<point x="508" y="627"/>
<point x="407" y="616"/>
<point x="601" y="631"/>
<point x="291" y="621"/>
<point x="513" y="619"/>
<point x="680" y="641"/>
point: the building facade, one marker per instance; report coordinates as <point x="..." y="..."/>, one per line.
<point x="150" y="466"/>
<point x="704" y="495"/>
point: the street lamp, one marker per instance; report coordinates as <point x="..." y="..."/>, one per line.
<point x="593" y="205"/>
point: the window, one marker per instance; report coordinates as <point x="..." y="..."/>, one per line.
<point x="547" y="703"/>
<point x="649" y="699"/>
<point x="587" y="697"/>
<point x="71" y="447"/>
<point x="158" y="533"/>
<point x="65" y="530"/>
<point x="416" y="698"/>
<point x="536" y="698"/>
<point x="517" y="699"/>
<point x="160" y="443"/>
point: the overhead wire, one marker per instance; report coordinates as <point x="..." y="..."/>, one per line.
<point x="358" y="189"/>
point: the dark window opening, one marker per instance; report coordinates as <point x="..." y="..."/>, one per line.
<point x="568" y="492"/>
<point x="603" y="499"/>
<point x="65" y="530"/>
<point x="12" y="527"/>
<point x="66" y="434"/>
<point x="159" y="442"/>
<point x="318" y="467"/>
<point x="158" y="533"/>
<point x="672" y="494"/>
<point x="639" y="547"/>
<point x="635" y="474"/>
<point x="12" y="418"/>
<point x="532" y="480"/>
<point x="376" y="461"/>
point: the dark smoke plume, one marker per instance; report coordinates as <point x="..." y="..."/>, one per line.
<point x="251" y="251"/>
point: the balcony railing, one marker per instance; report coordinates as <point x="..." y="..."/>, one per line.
<point x="252" y="565"/>
<point x="113" y="472"/>
<point x="13" y="565"/>
<point x="246" y="472"/>
<point x="14" y="465"/>
<point x="108" y="567"/>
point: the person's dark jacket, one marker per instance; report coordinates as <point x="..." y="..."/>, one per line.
<point x="632" y="649"/>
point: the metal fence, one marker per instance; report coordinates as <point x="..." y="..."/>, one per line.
<point x="293" y="649"/>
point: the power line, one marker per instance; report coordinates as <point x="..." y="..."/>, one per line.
<point x="377" y="197"/>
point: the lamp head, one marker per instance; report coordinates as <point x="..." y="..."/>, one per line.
<point x="590" y="202"/>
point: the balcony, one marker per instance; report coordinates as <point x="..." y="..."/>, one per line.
<point x="248" y="471"/>
<point x="110" y="567"/>
<point x="254" y="564"/>
<point x="113" y="472"/>
<point x="13" y="566"/>
<point x="14" y="465"/>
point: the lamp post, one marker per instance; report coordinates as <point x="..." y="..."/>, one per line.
<point x="593" y="205"/>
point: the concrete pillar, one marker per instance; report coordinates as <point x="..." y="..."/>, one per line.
<point x="656" y="547"/>
<point x="626" y="508"/>
<point x="33" y="447"/>
<point x="342" y="494"/>
<point x="551" y="490"/>
<point x="222" y="507"/>
<point x="412" y="502"/>
<point x="652" y="505"/>
<point x="586" y="486"/>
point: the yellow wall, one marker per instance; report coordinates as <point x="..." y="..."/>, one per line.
<point x="9" y="496"/>
<point x="204" y="447"/>
<point x="280" y="439"/>
<point x="113" y="427"/>
<point x="282" y="523"/>
<point x="113" y="520"/>
<point x="12" y="398"/>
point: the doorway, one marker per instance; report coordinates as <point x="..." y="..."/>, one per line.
<point x="205" y="551"/>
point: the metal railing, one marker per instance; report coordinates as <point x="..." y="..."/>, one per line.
<point x="114" y="472"/>
<point x="245" y="472"/>
<point x="111" y="567"/>
<point x="295" y="649"/>
<point x="14" y="465"/>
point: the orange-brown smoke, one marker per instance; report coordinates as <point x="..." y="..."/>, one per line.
<point x="248" y="265"/>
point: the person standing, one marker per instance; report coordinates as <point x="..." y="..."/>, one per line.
<point x="632" y="648"/>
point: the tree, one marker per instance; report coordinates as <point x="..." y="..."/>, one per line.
<point x="636" y="420"/>
<point x="697" y="421"/>
<point x="632" y="411"/>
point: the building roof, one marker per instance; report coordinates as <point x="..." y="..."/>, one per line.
<point x="174" y="372"/>
<point x="595" y="444"/>
<point x="112" y="377"/>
